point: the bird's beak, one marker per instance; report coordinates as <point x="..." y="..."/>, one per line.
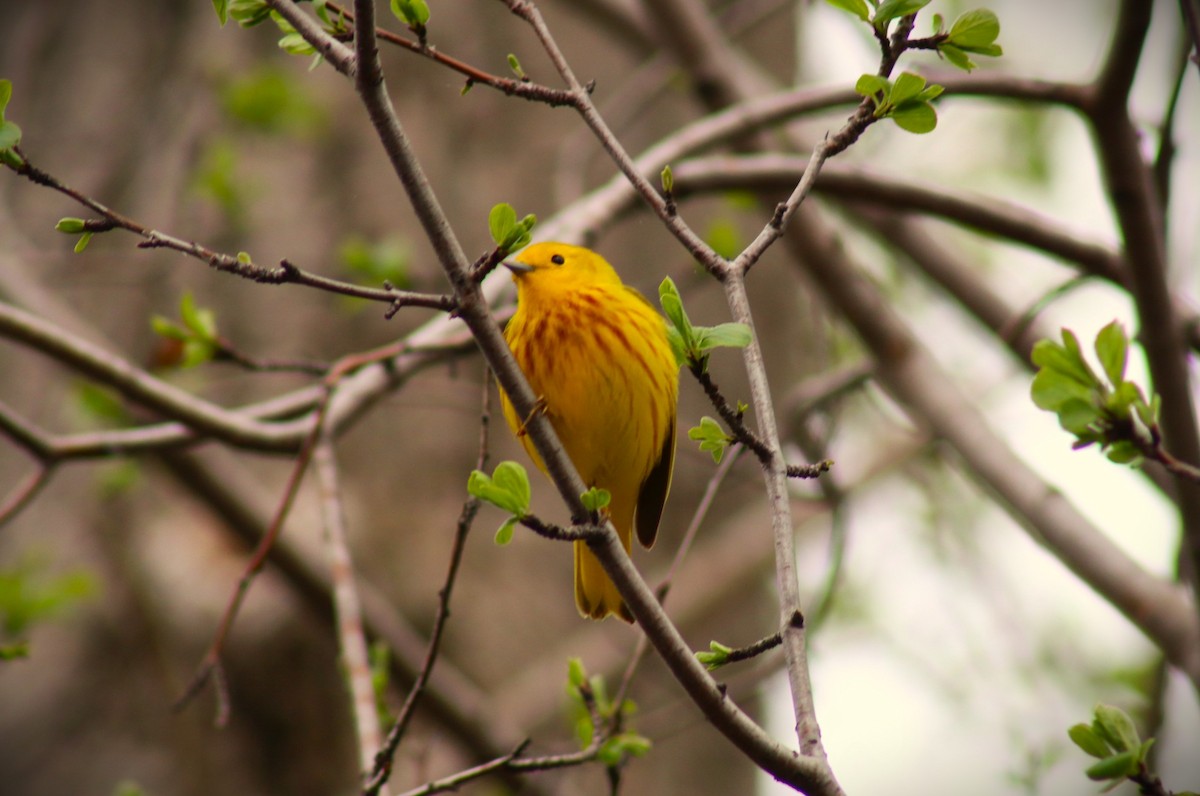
<point x="516" y="267"/>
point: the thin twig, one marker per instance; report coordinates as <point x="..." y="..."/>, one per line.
<point x="211" y="663"/>
<point x="524" y="89"/>
<point x="380" y="765"/>
<point x="23" y="493"/>
<point x="285" y="273"/>
<point x="352" y="640"/>
<point x="642" y="645"/>
<point x="754" y="650"/>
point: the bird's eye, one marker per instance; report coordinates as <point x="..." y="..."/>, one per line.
<point x="557" y="259"/>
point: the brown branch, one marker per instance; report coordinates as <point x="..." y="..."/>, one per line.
<point x="352" y="640"/>
<point x="286" y="273"/>
<point x="913" y="378"/>
<point x="211" y="664"/>
<point x="514" y="88"/>
<point x="1130" y="185"/>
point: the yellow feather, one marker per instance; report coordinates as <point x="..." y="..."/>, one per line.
<point x="596" y="353"/>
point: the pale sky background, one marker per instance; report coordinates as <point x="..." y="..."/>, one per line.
<point x="958" y="678"/>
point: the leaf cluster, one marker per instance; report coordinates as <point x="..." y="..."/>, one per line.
<point x="692" y="344"/>
<point x="76" y="226"/>
<point x="197" y="332"/>
<point x="413" y="13"/>
<point x="974" y="31"/>
<point x="1111" y="412"/>
<point x="907" y="101"/>
<point x="508" y="233"/>
<point x="1113" y="740"/>
<point x="248" y="13"/>
<point x="583" y="690"/>
<point x="712" y="437"/>
<point x="506" y="488"/>
<point x="29" y="594"/>
<point x="716" y="657"/>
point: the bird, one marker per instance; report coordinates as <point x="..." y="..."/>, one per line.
<point x="597" y="356"/>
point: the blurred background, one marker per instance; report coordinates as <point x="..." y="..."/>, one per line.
<point x="955" y="652"/>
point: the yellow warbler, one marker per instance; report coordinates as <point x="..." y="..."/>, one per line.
<point x="596" y="354"/>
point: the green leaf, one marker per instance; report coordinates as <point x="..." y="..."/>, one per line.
<point x="515" y="66"/>
<point x="502" y="220"/>
<point x="70" y="226"/>
<point x="931" y="93"/>
<point x="520" y="236"/>
<point x="15" y="651"/>
<point x="201" y="321"/>
<point x="894" y="9"/>
<point x="6" y="90"/>
<point x="711" y="436"/>
<point x="675" y="340"/>
<point x="668" y="179"/>
<point x="1112" y="348"/>
<point x="295" y="44"/>
<point x="616" y="749"/>
<point x="164" y="327"/>
<point x="1051" y="390"/>
<point x="507" y="488"/>
<point x="222" y="9"/>
<point x="248" y="13"/>
<point x="82" y="243"/>
<point x="907" y="86"/>
<point x="956" y="57"/>
<point x="420" y="13"/>
<point x="10" y="135"/>
<point x="11" y="159"/>
<point x="1088" y="740"/>
<point x="413" y="13"/>
<point x="716" y="656"/>
<point x="1118" y="766"/>
<point x="856" y="7"/>
<point x="1065" y="360"/>
<point x="1148" y="412"/>
<point x="576" y="674"/>
<point x="1116" y="728"/>
<point x="1077" y="416"/>
<point x="672" y="305"/>
<point x="512" y="478"/>
<point x="723" y="335"/>
<point x="975" y="29"/>
<point x="869" y="85"/>
<point x="504" y="534"/>
<point x="915" y="117"/>
<point x="595" y="498"/>
<point x="1124" y="452"/>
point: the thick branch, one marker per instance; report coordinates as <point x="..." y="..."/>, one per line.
<point x="1140" y="217"/>
<point x="912" y="376"/>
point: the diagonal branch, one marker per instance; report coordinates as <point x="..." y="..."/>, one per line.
<point x="1130" y="184"/>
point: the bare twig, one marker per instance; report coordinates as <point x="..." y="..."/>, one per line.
<point x="514" y="88"/>
<point x="641" y="646"/>
<point x="285" y="273"/>
<point x="211" y="663"/>
<point x="380" y="765"/>
<point x="23" y="493"/>
<point x="347" y="607"/>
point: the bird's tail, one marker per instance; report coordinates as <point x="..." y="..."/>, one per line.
<point x="596" y="596"/>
